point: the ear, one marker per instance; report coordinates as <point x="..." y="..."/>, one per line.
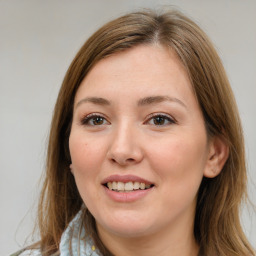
<point x="217" y="157"/>
<point x="71" y="168"/>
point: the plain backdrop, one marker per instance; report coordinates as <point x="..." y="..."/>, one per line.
<point x="39" y="38"/>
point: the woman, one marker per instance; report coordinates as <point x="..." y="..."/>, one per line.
<point x="146" y="152"/>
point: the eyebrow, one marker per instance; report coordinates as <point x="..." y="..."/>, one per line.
<point x="94" y="100"/>
<point x="158" y="99"/>
<point x="142" y="102"/>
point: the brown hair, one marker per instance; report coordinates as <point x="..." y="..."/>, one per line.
<point x="217" y="226"/>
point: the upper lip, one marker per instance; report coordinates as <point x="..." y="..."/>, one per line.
<point x="125" y="178"/>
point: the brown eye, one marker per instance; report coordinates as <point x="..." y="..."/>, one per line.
<point x="160" y="120"/>
<point x="97" y="120"/>
<point x="94" y="120"/>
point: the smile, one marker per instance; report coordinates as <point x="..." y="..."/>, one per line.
<point x="127" y="186"/>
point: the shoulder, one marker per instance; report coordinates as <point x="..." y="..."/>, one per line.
<point x="25" y="252"/>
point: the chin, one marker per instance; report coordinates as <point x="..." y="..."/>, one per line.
<point x="128" y="226"/>
<point x="128" y="231"/>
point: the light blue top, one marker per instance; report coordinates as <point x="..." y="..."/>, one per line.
<point x="74" y="241"/>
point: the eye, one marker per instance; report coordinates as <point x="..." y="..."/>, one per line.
<point x="160" y="120"/>
<point x="94" y="120"/>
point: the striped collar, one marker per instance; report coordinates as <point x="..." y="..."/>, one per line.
<point x="75" y="241"/>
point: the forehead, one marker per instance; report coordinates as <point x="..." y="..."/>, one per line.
<point x="142" y="69"/>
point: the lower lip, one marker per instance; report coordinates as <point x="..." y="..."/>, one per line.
<point x="125" y="197"/>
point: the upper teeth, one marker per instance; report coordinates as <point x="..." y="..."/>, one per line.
<point x="127" y="186"/>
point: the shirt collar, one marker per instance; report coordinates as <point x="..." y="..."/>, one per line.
<point x="75" y="241"/>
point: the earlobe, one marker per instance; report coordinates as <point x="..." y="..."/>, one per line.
<point x="217" y="157"/>
<point x="71" y="168"/>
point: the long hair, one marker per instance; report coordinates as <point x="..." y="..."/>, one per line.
<point x="217" y="227"/>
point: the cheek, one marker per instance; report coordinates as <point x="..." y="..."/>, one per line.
<point x="179" y="165"/>
<point x="85" y="154"/>
<point x="85" y="164"/>
<point x="180" y="160"/>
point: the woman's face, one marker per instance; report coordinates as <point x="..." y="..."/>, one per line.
<point x="138" y="143"/>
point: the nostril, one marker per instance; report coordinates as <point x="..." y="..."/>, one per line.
<point x="122" y="161"/>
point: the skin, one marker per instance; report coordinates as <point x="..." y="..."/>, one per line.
<point x="174" y="155"/>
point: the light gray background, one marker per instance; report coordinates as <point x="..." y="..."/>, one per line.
<point x="38" y="40"/>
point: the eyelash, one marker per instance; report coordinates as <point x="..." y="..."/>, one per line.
<point x="164" y="116"/>
<point x="93" y="116"/>
<point x="88" y="118"/>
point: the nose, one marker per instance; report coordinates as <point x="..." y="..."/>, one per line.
<point x="125" y="148"/>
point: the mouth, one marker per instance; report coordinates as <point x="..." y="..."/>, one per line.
<point x="129" y="186"/>
<point x="127" y="183"/>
